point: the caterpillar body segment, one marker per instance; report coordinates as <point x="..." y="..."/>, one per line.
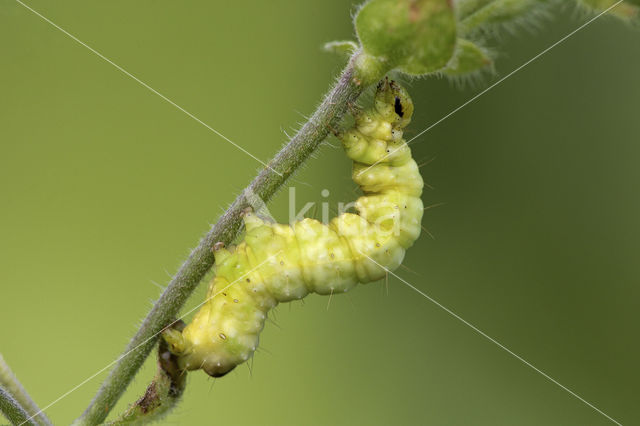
<point x="278" y="263"/>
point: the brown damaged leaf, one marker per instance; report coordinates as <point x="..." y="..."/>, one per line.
<point x="163" y="392"/>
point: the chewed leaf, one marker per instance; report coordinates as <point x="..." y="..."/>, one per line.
<point x="341" y="47"/>
<point x="416" y="36"/>
<point x="468" y="58"/>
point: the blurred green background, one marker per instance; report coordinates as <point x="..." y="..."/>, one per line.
<point x="104" y="188"/>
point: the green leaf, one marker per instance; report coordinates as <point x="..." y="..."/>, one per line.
<point x="628" y="10"/>
<point x="341" y="47"/>
<point x="468" y="58"/>
<point x="483" y="14"/>
<point x="604" y="4"/>
<point x="416" y="36"/>
<point x="466" y="8"/>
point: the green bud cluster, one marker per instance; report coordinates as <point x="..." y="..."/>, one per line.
<point x="446" y="37"/>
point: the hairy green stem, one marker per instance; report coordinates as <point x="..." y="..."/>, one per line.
<point x="12" y="385"/>
<point x="13" y="411"/>
<point x="361" y="71"/>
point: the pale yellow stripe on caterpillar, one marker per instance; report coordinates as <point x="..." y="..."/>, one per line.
<point x="313" y="257"/>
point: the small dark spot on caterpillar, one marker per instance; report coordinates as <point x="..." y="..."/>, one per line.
<point x="377" y="244"/>
<point x="248" y="280"/>
<point x="397" y="107"/>
<point x="235" y="300"/>
<point x="224" y="294"/>
<point x="222" y="336"/>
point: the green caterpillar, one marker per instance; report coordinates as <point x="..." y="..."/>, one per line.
<point x="278" y="263"/>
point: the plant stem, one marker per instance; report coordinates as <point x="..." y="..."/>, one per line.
<point x="162" y="394"/>
<point x="13" y="411"/>
<point x="361" y="71"/>
<point x="12" y="385"/>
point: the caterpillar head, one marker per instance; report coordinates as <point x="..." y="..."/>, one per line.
<point x="393" y="103"/>
<point x="377" y="134"/>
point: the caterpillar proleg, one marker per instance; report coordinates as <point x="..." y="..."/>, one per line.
<point x="278" y="263"/>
